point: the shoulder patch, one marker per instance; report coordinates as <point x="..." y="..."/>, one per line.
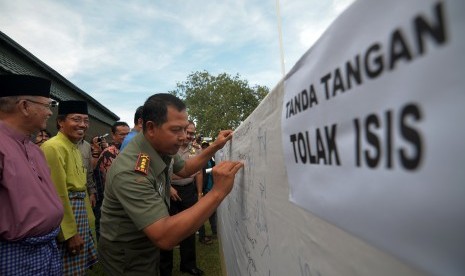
<point x="143" y="163"/>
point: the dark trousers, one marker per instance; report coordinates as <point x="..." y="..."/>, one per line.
<point x="188" y="195"/>
<point x="212" y="220"/>
<point x="98" y="215"/>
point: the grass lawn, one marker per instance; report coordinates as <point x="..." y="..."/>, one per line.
<point x="208" y="259"/>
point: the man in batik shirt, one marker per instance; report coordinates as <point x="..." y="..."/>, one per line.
<point x="119" y="131"/>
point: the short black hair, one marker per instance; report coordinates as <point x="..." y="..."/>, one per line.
<point x="156" y="108"/>
<point x="138" y="114"/>
<point x="117" y="124"/>
<point x="46" y="132"/>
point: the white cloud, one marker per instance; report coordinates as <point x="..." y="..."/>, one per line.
<point x="116" y="50"/>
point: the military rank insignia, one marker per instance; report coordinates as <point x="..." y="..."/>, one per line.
<point x="143" y="163"/>
<point x="191" y="152"/>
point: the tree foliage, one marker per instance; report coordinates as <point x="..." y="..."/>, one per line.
<point x="218" y="102"/>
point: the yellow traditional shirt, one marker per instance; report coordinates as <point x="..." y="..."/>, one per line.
<point x="68" y="174"/>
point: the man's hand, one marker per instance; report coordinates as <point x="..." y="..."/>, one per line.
<point x="223" y="176"/>
<point x="174" y="194"/>
<point x="93" y="200"/>
<point x="223" y="137"/>
<point x="75" y="244"/>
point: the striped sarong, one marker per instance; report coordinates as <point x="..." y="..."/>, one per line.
<point x="78" y="264"/>
<point x="31" y="256"/>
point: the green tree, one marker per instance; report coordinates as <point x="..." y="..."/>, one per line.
<point x="218" y="102"/>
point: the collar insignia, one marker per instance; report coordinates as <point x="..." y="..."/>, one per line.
<point x="143" y="163"/>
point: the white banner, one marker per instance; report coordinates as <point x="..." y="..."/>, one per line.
<point x="373" y="130"/>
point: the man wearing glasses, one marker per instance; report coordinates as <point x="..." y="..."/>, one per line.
<point x="69" y="176"/>
<point x="31" y="210"/>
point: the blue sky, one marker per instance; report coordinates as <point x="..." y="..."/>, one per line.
<point x="121" y="52"/>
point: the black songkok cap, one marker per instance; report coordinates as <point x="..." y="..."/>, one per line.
<point x="70" y="107"/>
<point x="24" y="85"/>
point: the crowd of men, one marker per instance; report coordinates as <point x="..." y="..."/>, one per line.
<point x="149" y="195"/>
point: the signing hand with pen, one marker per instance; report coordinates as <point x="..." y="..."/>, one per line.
<point x="223" y="176"/>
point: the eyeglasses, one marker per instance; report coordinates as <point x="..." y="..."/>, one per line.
<point x="79" y="120"/>
<point x="47" y="105"/>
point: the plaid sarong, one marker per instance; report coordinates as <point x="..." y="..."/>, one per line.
<point x="78" y="264"/>
<point x="31" y="256"/>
